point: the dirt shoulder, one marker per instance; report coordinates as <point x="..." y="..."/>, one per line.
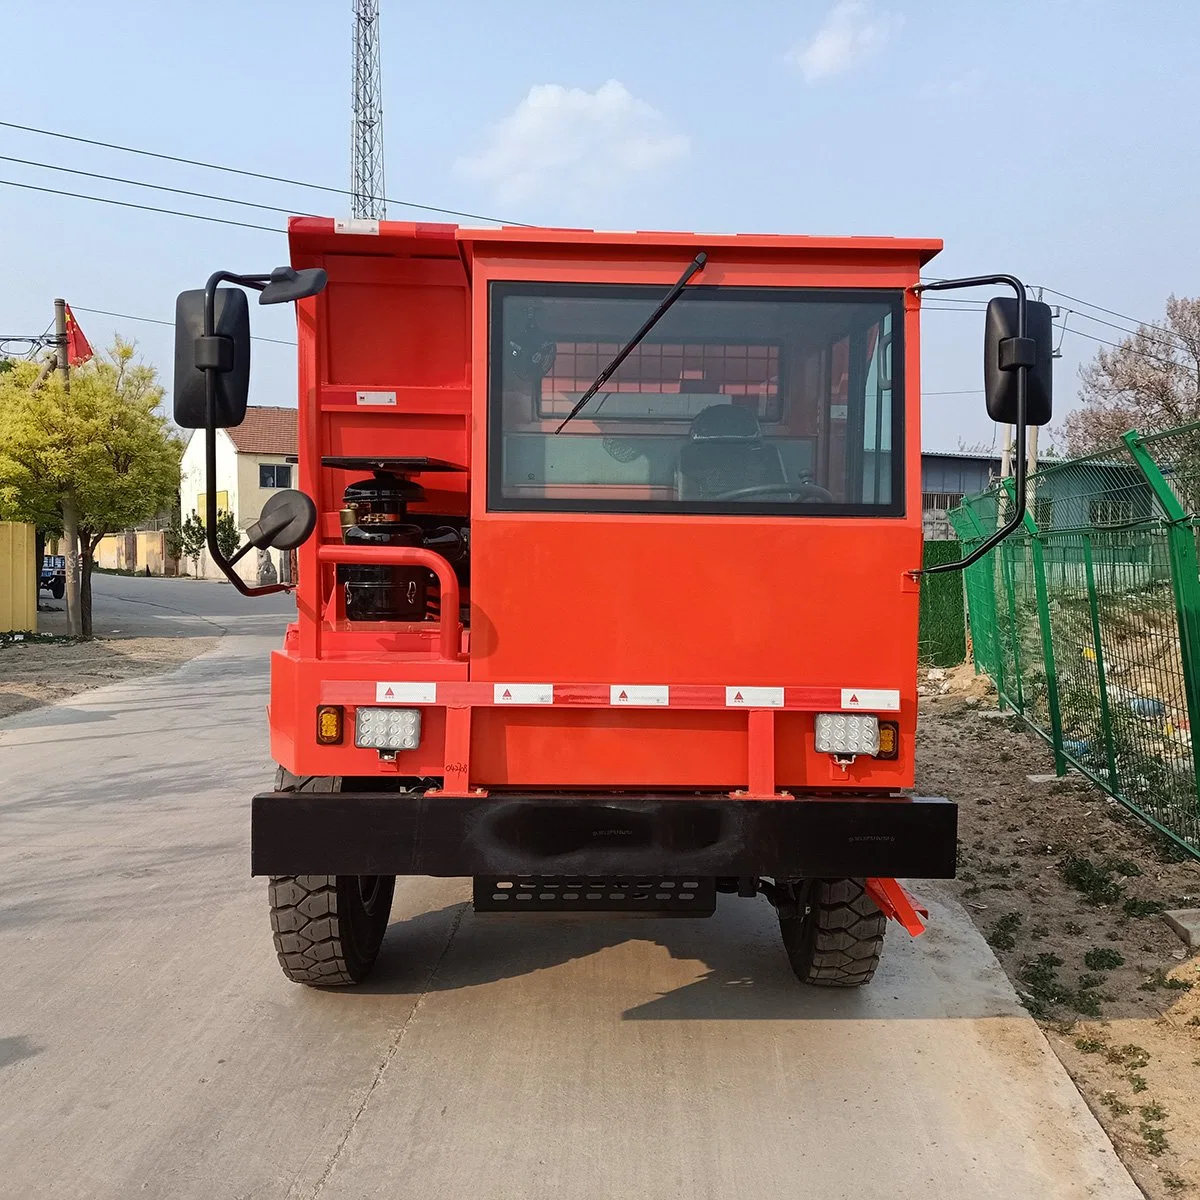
<point x="1068" y="888"/>
<point x="44" y="669"/>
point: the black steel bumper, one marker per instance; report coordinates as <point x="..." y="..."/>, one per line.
<point x="390" y="833"/>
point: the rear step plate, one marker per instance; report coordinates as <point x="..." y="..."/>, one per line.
<point x="670" y="896"/>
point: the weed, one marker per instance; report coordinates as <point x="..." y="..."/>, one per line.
<point x="1173" y="1182"/>
<point x="1089" y="1045"/>
<point x="1003" y="933"/>
<point x="1115" y="1055"/>
<point x="1114" y="1104"/>
<point x="1137" y="1082"/>
<point x="1122" y="866"/>
<point x="1153" y="1111"/>
<point x="1135" y="1055"/>
<point x="1072" y="929"/>
<point x="971" y="892"/>
<point x="1142" y="908"/>
<point x="1089" y="981"/>
<point x="1095" y="882"/>
<point x="1085" y="1003"/>
<point x="1040" y="931"/>
<point x="1160" y="979"/>
<point x="1155" y="1139"/>
<point x="1177" y="985"/>
<point x="1194" y="1020"/>
<point x="1103" y="958"/>
<point x="967" y="876"/>
<point x="996" y="868"/>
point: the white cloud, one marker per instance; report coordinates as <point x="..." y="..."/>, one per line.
<point x="567" y="142"/>
<point x="853" y="32"/>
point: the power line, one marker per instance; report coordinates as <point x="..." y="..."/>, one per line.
<point x="104" y="312"/>
<point x="193" y="162"/>
<point x="1110" y="312"/>
<point x="171" y="212"/>
<point x="158" y="187"/>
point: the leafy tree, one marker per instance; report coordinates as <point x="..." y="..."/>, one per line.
<point x="228" y="535"/>
<point x="102" y="451"/>
<point x="1150" y="382"/>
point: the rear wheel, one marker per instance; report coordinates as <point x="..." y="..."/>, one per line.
<point x="328" y="928"/>
<point x="837" y="941"/>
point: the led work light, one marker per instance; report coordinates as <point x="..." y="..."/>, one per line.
<point x="387" y="729"/>
<point x="847" y="734"/>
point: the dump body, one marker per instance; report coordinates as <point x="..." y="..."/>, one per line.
<point x="654" y="602"/>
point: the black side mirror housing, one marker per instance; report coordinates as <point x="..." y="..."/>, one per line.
<point x="287" y="519"/>
<point x="288" y="285"/>
<point x="999" y="373"/>
<point x="229" y="351"/>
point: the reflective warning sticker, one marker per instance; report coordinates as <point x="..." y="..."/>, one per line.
<point x="643" y="694"/>
<point x="523" y="693"/>
<point x="754" y="697"/>
<point x="884" y="699"/>
<point x="405" y="693"/>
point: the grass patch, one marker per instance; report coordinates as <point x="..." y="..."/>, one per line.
<point x="1103" y="958"/>
<point x="1142" y="908"/>
<point x="1096" y="882"/>
<point x="1003" y="934"/>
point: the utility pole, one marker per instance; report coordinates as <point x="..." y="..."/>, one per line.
<point x="70" y="513"/>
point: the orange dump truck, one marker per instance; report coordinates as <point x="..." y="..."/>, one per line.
<point x="609" y="551"/>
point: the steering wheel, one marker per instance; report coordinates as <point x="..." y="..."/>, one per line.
<point x="802" y="491"/>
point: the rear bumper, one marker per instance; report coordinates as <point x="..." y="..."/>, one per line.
<point x="391" y="833"/>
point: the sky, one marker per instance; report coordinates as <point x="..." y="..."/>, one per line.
<point x="1054" y="139"/>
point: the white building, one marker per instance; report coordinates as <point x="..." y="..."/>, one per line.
<point x="251" y="465"/>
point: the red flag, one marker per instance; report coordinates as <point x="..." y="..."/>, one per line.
<point x="79" y="349"/>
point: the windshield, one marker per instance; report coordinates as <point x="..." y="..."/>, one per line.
<point x="739" y="401"/>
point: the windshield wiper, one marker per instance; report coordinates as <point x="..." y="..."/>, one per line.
<point x="697" y="264"/>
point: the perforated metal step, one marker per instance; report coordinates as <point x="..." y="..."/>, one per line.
<point x="673" y="896"/>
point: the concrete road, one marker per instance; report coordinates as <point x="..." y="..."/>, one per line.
<point x="149" y="1045"/>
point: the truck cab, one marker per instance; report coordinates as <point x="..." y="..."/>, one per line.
<point x="608" y="597"/>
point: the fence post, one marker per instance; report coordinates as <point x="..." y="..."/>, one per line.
<point x="1110" y="751"/>
<point x="1043" y="607"/>
<point x="1006" y="570"/>
<point x="1185" y="580"/>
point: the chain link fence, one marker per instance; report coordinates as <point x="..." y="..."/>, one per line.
<point x="1088" y="619"/>
<point x="942" y="641"/>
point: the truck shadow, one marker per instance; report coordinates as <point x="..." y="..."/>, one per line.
<point x="739" y="968"/>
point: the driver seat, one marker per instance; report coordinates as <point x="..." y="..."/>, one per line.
<point x="725" y="451"/>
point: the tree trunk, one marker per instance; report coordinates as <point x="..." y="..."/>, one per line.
<point x="88" y="544"/>
<point x="70" y="515"/>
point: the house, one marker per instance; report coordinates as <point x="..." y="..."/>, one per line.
<point x="252" y="463"/>
<point x="946" y="477"/>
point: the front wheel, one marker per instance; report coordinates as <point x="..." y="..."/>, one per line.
<point x="834" y="935"/>
<point x="327" y="928"/>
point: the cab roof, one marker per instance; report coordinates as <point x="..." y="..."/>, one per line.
<point x="327" y="235"/>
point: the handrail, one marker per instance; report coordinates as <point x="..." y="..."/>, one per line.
<point x="409" y="556"/>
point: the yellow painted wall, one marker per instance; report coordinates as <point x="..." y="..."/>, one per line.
<point x="18" y="587"/>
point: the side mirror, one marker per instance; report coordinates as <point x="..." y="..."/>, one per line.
<point x="287" y="285"/>
<point x="231" y="319"/>
<point x="999" y="377"/>
<point x="287" y="519"/>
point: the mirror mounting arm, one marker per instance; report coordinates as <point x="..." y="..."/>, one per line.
<point x="1016" y="354"/>
<point x="209" y="338"/>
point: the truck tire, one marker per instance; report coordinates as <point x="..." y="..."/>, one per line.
<point x="327" y="928"/>
<point x="838" y="941"/>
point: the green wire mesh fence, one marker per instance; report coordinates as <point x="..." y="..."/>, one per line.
<point x="942" y="641"/>
<point x="1088" y="619"/>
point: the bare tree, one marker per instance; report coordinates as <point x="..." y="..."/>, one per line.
<point x="1150" y="382"/>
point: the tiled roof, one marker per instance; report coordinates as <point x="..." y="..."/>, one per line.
<point x="265" y="431"/>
